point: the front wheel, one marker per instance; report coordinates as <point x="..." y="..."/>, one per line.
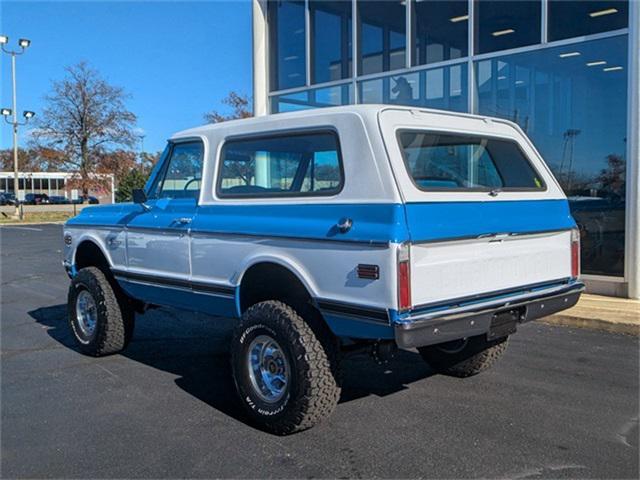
<point x="465" y="357"/>
<point x="285" y="375"/>
<point x="101" y="322"/>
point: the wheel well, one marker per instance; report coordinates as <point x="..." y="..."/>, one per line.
<point x="88" y="254"/>
<point x="271" y="281"/>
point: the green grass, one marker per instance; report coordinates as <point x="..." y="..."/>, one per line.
<point x="37" y="217"/>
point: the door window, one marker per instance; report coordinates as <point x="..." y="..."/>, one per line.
<point x="183" y="173"/>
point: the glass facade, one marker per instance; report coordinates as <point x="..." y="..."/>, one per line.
<point x="444" y="88"/>
<point x="287" y="41"/>
<point x="503" y="24"/>
<point x="331" y="45"/>
<point x="573" y="18"/>
<point x="556" y="67"/>
<point x="575" y="111"/>
<point x="381" y="36"/>
<point x="315" y="98"/>
<point x="440" y="30"/>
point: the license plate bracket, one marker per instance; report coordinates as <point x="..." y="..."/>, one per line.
<point x="504" y="323"/>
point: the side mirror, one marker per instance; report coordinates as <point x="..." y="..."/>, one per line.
<point x="140" y="198"/>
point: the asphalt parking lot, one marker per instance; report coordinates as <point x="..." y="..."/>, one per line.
<point x="563" y="403"/>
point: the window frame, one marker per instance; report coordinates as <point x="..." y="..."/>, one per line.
<point x="162" y="172"/>
<point x="275" y="135"/>
<point x="405" y="161"/>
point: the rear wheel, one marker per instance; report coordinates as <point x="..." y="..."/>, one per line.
<point x="465" y="357"/>
<point x="102" y="323"/>
<point x="286" y="376"/>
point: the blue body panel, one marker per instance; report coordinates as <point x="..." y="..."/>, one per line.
<point x="415" y="222"/>
<point x="372" y="223"/>
<point x="450" y="220"/>
<point x="182" y="299"/>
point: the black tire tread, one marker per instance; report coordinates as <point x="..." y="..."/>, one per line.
<point x="318" y="360"/>
<point x="114" y="334"/>
<point x="479" y="356"/>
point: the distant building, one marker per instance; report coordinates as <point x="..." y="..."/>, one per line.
<point x="566" y="71"/>
<point x="53" y="183"/>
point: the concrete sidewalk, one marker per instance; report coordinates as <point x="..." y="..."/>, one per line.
<point x="611" y="314"/>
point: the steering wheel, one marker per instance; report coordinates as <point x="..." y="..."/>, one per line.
<point x="189" y="182"/>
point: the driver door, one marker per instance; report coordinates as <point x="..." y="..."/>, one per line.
<point x="158" y="239"/>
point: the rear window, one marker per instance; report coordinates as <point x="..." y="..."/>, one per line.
<point x="437" y="161"/>
<point x="292" y="164"/>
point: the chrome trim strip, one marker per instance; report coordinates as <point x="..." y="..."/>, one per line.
<point x="210" y="234"/>
<point x="371" y="243"/>
<point x="419" y="320"/>
<point x="352" y="310"/>
<point x="491" y="236"/>
<point x="178" y="283"/>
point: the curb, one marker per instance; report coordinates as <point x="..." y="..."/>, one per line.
<point x="593" y="324"/>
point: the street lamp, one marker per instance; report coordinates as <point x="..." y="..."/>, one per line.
<point x="23" y="43"/>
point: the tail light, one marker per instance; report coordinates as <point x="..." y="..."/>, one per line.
<point x="575" y="253"/>
<point x="404" y="278"/>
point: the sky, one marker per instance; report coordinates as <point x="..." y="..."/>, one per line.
<point x="176" y="59"/>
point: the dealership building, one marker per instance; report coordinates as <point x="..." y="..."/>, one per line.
<point x="566" y="71"/>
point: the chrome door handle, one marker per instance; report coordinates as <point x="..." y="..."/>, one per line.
<point x="183" y="220"/>
<point x="344" y="225"/>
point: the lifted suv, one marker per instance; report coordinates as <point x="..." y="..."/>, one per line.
<point x="329" y="231"/>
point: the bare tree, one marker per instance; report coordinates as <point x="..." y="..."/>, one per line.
<point x="84" y="120"/>
<point x="240" y="105"/>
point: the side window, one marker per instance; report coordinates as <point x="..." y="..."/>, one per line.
<point x="183" y="174"/>
<point x="296" y="164"/>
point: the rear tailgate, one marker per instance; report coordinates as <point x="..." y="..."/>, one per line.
<point x="485" y="216"/>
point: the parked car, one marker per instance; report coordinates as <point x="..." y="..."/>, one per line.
<point x="36" y="199"/>
<point x="88" y="199"/>
<point x="59" y="200"/>
<point x="7" y="198"/>
<point x="331" y="231"/>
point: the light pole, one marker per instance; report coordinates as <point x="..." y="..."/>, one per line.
<point x="23" y="43"/>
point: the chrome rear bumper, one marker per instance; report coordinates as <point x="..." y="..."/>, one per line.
<point x="467" y="321"/>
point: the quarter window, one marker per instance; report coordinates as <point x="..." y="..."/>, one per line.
<point x="460" y="162"/>
<point x="182" y="175"/>
<point x="285" y="165"/>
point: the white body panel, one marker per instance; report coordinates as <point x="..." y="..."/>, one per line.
<point x="452" y="270"/>
<point x="327" y="269"/>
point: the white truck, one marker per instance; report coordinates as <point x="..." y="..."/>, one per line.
<point x="332" y="230"/>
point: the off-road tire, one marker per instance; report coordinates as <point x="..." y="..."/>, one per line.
<point x="477" y="355"/>
<point x="313" y="388"/>
<point x="115" y="315"/>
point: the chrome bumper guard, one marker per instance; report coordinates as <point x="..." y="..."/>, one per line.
<point x="467" y="321"/>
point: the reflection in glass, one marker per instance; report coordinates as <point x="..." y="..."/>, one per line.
<point x="501" y="24"/>
<point x="381" y="33"/>
<point x="572" y="102"/>
<point x="441" y="88"/>
<point x="287" y="40"/>
<point x="440" y="30"/>
<point x="572" y="18"/>
<point x="316" y="98"/>
<point x="330" y="40"/>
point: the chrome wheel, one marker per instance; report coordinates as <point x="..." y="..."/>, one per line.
<point x="268" y="368"/>
<point x="86" y="313"/>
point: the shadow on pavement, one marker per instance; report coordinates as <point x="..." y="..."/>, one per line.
<point x="195" y="348"/>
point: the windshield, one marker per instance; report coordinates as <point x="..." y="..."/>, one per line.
<point x="444" y="161"/>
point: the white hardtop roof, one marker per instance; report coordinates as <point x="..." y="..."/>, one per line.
<point x="370" y="111"/>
